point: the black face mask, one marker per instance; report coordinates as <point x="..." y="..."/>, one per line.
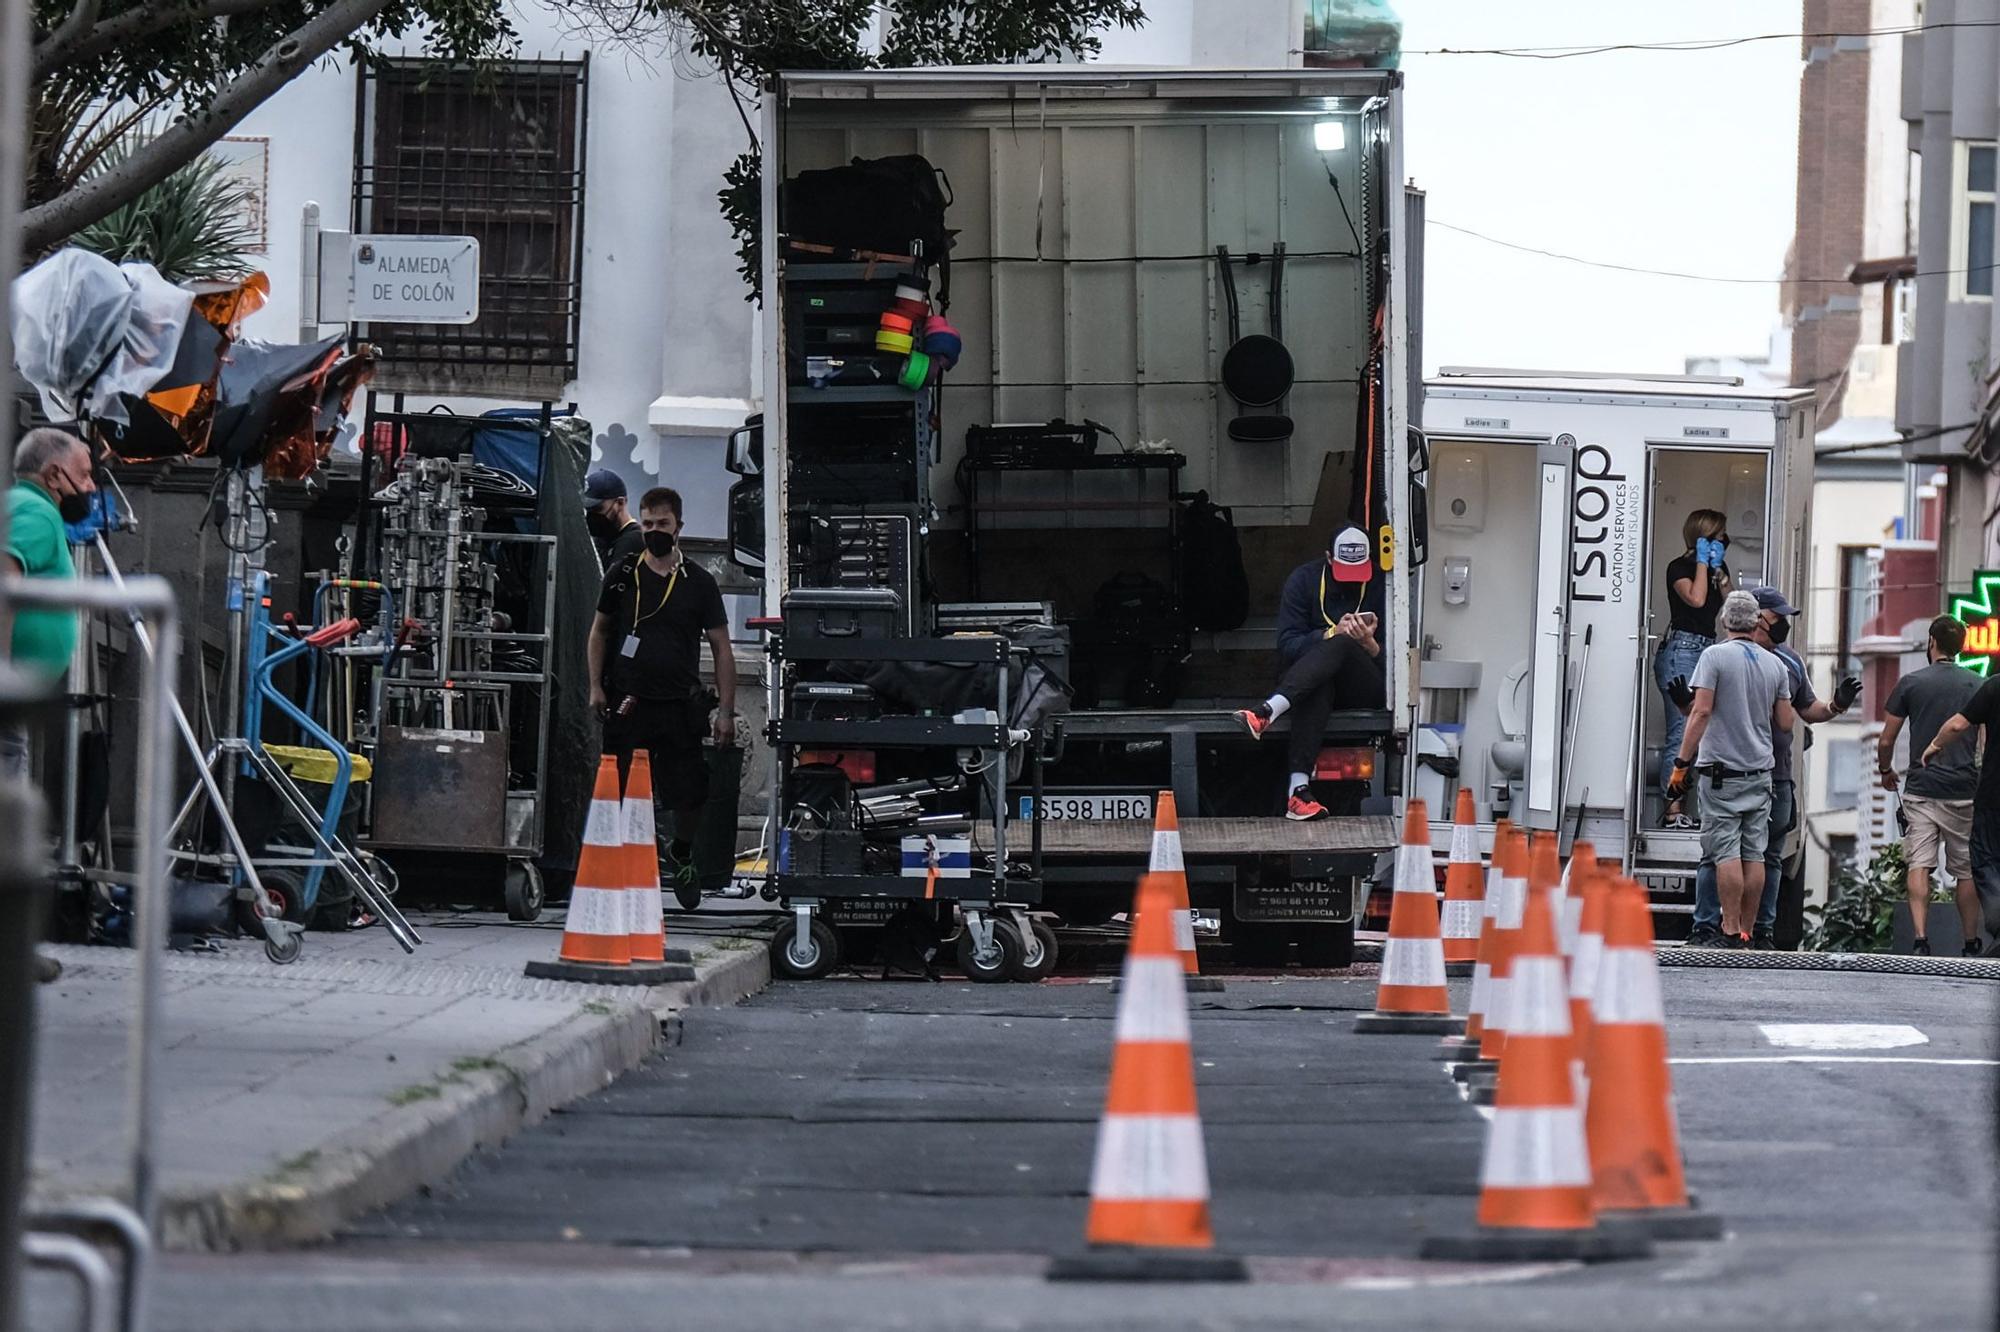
<point x="659" y="542"/>
<point x="74" y="507"/>
<point x="1780" y="630"/>
<point x="599" y="525"/>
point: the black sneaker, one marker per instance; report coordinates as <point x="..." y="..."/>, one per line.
<point x="1732" y="941"/>
<point x="1764" y="941"/>
<point x="1973" y="948"/>
<point x="1920" y="947"/>
<point x="1705" y="936"/>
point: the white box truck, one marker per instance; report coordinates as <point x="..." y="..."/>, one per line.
<point x="1556" y="501"/>
<point x="1121" y="236"/>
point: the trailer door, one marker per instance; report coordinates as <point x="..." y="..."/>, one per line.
<point x="1549" y="650"/>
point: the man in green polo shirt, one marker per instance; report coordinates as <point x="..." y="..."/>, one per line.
<point x="52" y="486"/>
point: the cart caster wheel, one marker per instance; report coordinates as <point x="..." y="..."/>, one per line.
<point x="1002" y="964"/>
<point x="287" y="952"/>
<point x="1038" y="953"/>
<point x="286" y="887"/>
<point x="524" y="891"/>
<point x="806" y="958"/>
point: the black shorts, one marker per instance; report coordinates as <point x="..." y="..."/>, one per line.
<point x="671" y="732"/>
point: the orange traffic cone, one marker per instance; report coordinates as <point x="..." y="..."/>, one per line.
<point x="1635" y="1155"/>
<point x="1466" y="1049"/>
<point x="1544" y="872"/>
<point x="1168" y="860"/>
<point x="643" y="898"/>
<point x="597" y="930"/>
<point x="1464" y="891"/>
<point x="1411" y="996"/>
<point x="1535" y="1199"/>
<point x="1588" y="887"/>
<point x="1512" y="858"/>
<point x="1149" y="1185"/>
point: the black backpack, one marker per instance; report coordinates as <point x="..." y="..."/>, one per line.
<point x="889" y="205"/>
<point x="1214" y="589"/>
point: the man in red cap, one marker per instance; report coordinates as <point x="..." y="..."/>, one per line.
<point x="1329" y="625"/>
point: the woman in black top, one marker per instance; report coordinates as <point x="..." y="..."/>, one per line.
<point x="1697" y="582"/>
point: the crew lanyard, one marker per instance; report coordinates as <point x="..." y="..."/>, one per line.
<point x="1331" y="623"/>
<point x="638" y="619"/>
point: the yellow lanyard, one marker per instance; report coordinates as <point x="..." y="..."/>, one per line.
<point x="638" y="619"/>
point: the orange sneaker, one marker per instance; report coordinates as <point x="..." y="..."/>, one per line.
<point x="1254" y="722"/>
<point x="1302" y="808"/>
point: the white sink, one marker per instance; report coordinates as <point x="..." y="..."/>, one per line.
<point x="1438" y="673"/>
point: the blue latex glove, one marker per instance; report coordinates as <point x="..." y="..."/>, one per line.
<point x="103" y="517"/>
<point x="1701" y="551"/>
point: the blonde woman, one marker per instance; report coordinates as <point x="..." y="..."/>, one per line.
<point x="1697" y="581"/>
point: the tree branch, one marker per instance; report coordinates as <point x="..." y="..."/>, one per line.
<point x="134" y="24"/>
<point x="67" y="33"/>
<point x="189" y="137"/>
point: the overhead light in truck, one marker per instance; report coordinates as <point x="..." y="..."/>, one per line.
<point x="1329" y="136"/>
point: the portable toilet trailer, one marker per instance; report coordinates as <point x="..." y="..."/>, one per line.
<point x="1555" y="502"/>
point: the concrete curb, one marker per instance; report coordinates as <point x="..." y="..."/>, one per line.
<point x="419" y="1144"/>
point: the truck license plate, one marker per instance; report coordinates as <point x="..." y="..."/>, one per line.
<point x="1098" y="806"/>
<point x="1299" y="900"/>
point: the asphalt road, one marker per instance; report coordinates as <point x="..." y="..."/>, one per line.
<point x="858" y="1154"/>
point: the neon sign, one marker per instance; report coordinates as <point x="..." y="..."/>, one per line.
<point x="1979" y="611"/>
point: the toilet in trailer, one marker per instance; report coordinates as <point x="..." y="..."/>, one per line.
<point x="1555" y="503"/>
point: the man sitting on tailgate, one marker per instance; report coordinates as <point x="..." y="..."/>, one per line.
<point x="1328" y="619"/>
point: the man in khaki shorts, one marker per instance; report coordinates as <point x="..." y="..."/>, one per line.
<point x="1938" y="795"/>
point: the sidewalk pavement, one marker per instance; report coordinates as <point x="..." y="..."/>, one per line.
<point x="294" y="1098"/>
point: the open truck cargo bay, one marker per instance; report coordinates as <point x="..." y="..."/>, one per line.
<point x="1089" y="206"/>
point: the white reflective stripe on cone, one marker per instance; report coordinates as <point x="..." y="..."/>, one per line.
<point x="1540" y="999"/>
<point x="1464" y="844"/>
<point x="1569" y="926"/>
<point x="1461" y="918"/>
<point x="1167" y="852"/>
<point x="1413" y="962"/>
<point x="1152" y="1003"/>
<point x="1183" y="929"/>
<point x="1150" y="1156"/>
<point x="1513" y="903"/>
<point x="1627" y="989"/>
<point x="1535" y="1148"/>
<point x="597" y="911"/>
<point x="1584" y="964"/>
<point x="638" y="822"/>
<point x="1489" y="906"/>
<point x="604" y="827"/>
<point x="1499" y="998"/>
<point x="1413" y="870"/>
<point x="1482" y="989"/>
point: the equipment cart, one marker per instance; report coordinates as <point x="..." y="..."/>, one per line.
<point x="852" y="847"/>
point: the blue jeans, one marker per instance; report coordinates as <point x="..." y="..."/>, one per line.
<point x="1678" y="653"/>
<point x="1784" y="816"/>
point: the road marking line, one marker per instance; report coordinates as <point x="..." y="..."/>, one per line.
<point x="1837" y="1059"/>
<point x="1841" y="1035"/>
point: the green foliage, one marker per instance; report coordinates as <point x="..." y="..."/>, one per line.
<point x="1861" y="906"/>
<point x="190" y="226"/>
<point x="748" y="43"/>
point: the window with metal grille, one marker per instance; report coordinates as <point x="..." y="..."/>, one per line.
<point x="495" y="151"/>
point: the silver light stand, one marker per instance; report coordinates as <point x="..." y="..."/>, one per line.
<point x="217" y="767"/>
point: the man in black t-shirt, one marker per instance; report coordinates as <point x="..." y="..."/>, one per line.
<point x="612" y="528"/>
<point x="645" y="673"/>
<point x="1982" y="709"/>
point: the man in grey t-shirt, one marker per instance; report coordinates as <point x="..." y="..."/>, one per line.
<point x="1937" y="796"/>
<point x="1741" y="696"/>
